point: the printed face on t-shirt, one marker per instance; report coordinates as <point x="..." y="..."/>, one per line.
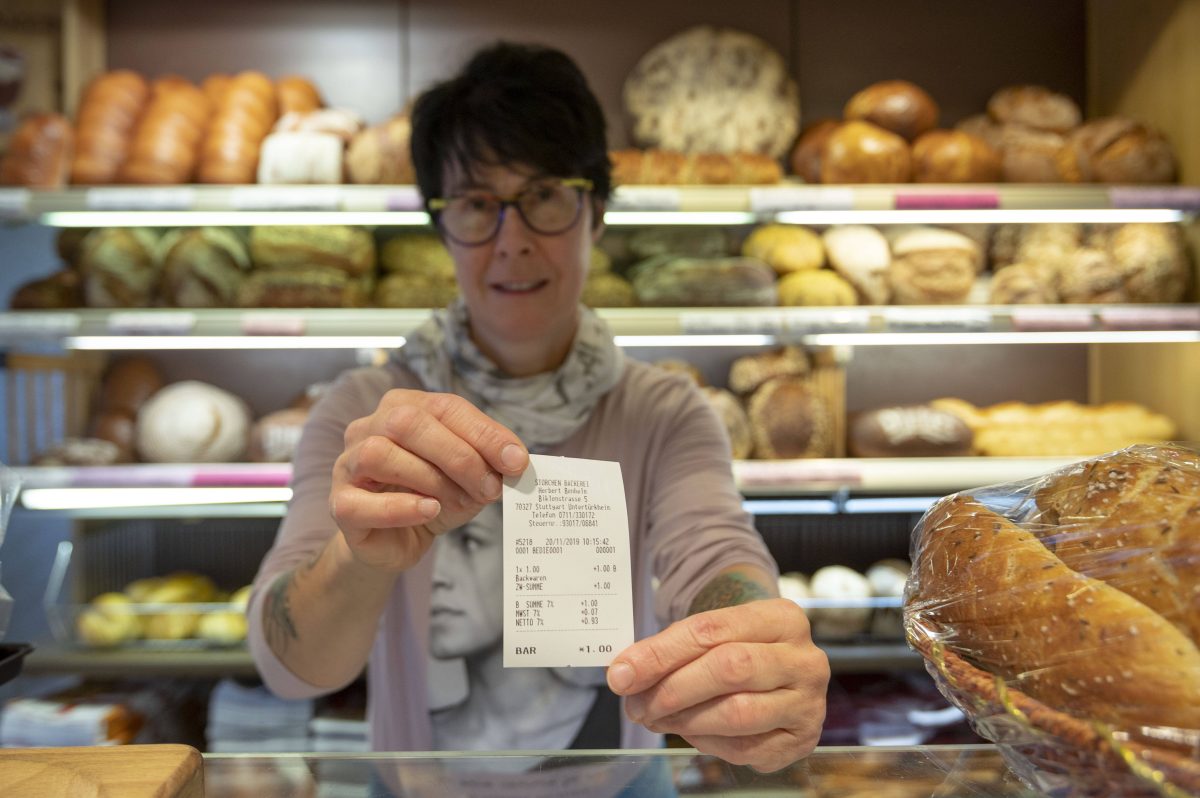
<point x="466" y="614"/>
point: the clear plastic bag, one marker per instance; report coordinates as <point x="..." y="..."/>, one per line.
<point x="10" y="485"/>
<point x="1062" y="615"/>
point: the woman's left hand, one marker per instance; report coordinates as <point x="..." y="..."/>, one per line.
<point x="744" y="683"/>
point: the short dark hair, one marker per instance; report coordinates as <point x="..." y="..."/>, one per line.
<point x="512" y="104"/>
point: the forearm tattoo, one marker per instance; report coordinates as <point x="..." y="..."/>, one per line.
<point x="278" y="626"/>
<point x="726" y="591"/>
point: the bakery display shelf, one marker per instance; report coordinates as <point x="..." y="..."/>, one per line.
<point x="771" y="487"/>
<point x="402" y="204"/>
<point x="121" y="663"/>
<point x="374" y="328"/>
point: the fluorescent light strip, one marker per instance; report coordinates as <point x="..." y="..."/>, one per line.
<point x="154" y="342"/>
<point x="637" y="341"/>
<point x="679" y="217"/>
<point x="100" y="498"/>
<point x="229" y="218"/>
<point x="790" y="507"/>
<point x="955" y="338"/>
<point x="916" y="504"/>
<point x="984" y="216"/>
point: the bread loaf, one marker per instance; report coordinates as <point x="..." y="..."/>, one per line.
<point x="1031" y="155"/>
<point x="1024" y="284"/>
<point x="809" y="151"/>
<point x="39" y="153"/>
<point x="247" y="112"/>
<point x="734" y="418"/>
<point x="863" y="256"/>
<point x="203" y="267"/>
<point x="667" y="281"/>
<point x="350" y="249"/>
<point x="1091" y="276"/>
<point x="297" y="95"/>
<point x="932" y="266"/>
<point x="1153" y="259"/>
<point x="1034" y="107"/>
<point x="192" y="422"/>
<point x="128" y="383"/>
<point x="286" y="158"/>
<point x="712" y="89"/>
<point x="860" y="152"/>
<point x="954" y="156"/>
<point x="1116" y="150"/>
<point x="417" y="253"/>
<point x="1132" y="520"/>
<point x="695" y="242"/>
<point x="304" y="288"/>
<point x="788" y="420"/>
<point x="749" y="372"/>
<point x="108" y="114"/>
<point x="120" y="267"/>
<point x="909" y="431"/>
<point x="381" y="153"/>
<point x="406" y="290"/>
<point x="607" y="290"/>
<point x="902" y="107"/>
<point x="166" y="141"/>
<point x="60" y="291"/>
<point x="995" y="594"/>
<point x="663" y="167"/>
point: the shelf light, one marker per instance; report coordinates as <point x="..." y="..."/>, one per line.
<point x="959" y="338"/>
<point x="231" y="218"/>
<point x="644" y="341"/>
<point x="615" y="218"/>
<point x="984" y="216"/>
<point x="103" y="498"/>
<point x="176" y="342"/>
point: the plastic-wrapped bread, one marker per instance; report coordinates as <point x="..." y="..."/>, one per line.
<point x="104" y="126"/>
<point x="245" y="116"/>
<point x="39" y="153"/>
<point x="166" y="142"/>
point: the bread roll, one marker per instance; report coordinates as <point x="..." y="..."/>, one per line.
<point x="859" y="152"/>
<point x="381" y="153"/>
<point x="306" y="288"/>
<point x="274" y="437"/>
<point x="108" y="620"/>
<point x="1116" y="150"/>
<point x="932" y="266"/>
<point x="734" y="418"/>
<point x="192" y="422"/>
<point x="954" y="156"/>
<point x="1091" y="276"/>
<point x="788" y="420"/>
<point x="896" y="105"/>
<point x="203" y="267"/>
<point x="835" y="583"/>
<point x="994" y="593"/>
<point x="297" y="95"/>
<point x="984" y="127"/>
<point x="667" y="281"/>
<point x="108" y="113"/>
<point x="350" y="249"/>
<point x="120" y="267"/>
<point x="749" y="372"/>
<point x="909" y="431"/>
<point x="607" y="290"/>
<point x="39" y="153"/>
<point x="1024" y="284"/>
<point x="785" y="248"/>
<point x="288" y="158"/>
<point x="166" y="142"/>
<point x="1153" y="259"/>
<point x="128" y="383"/>
<point x="809" y="150"/>
<point x="60" y="291"/>
<point x="710" y="89"/>
<point x="421" y="291"/>
<point x="816" y="288"/>
<point x="1034" y="107"/>
<point x="1031" y="155"/>
<point x="863" y="256"/>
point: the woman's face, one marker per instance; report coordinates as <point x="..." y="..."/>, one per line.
<point x="466" y="613"/>
<point x="522" y="288"/>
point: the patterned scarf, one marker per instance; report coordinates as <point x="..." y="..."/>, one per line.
<point x="542" y="410"/>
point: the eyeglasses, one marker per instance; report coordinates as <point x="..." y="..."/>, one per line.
<point x="473" y="218"/>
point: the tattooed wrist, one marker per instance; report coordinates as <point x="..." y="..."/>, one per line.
<point x="727" y="590"/>
<point x="278" y="626"/>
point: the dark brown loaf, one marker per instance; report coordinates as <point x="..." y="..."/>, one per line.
<point x="902" y="107"/>
<point x="748" y="373"/>
<point x="120" y="429"/>
<point x="127" y="384"/>
<point x="1116" y="150"/>
<point x="859" y="152"/>
<point x="809" y="151"/>
<point x="1132" y="520"/>
<point x="788" y="420"/>
<point x="1035" y="107"/>
<point x="954" y="156"/>
<point x="992" y="592"/>
<point x="39" y="153"/>
<point x="61" y="290"/>
<point x="909" y="431"/>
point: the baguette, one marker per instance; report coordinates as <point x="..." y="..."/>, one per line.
<point x="997" y="596"/>
<point x="1132" y="520"/>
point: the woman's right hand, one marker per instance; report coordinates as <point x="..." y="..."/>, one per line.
<point x="420" y="465"/>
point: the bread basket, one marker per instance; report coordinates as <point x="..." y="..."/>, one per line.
<point x="1061" y="614"/>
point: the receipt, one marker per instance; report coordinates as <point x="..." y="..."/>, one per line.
<point x="568" y="593"/>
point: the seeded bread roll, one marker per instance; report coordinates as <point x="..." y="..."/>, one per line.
<point x="711" y="89"/>
<point x="748" y="373"/>
<point x="788" y="420"/>
<point x="902" y="107"/>
<point x="993" y="592"/>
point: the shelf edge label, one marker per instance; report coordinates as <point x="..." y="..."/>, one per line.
<point x="1186" y="198"/>
<point x="772" y="199"/>
<point x="14" y="203"/>
<point x="286" y="198"/>
<point x="946" y="200"/>
<point x="175" y="198"/>
<point x="151" y="323"/>
<point x="645" y="198"/>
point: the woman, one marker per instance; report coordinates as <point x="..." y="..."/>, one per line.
<point x="512" y="157"/>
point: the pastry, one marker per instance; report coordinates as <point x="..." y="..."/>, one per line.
<point x="710" y="89"/>
<point x="860" y="152"/>
<point x="896" y="105"/>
